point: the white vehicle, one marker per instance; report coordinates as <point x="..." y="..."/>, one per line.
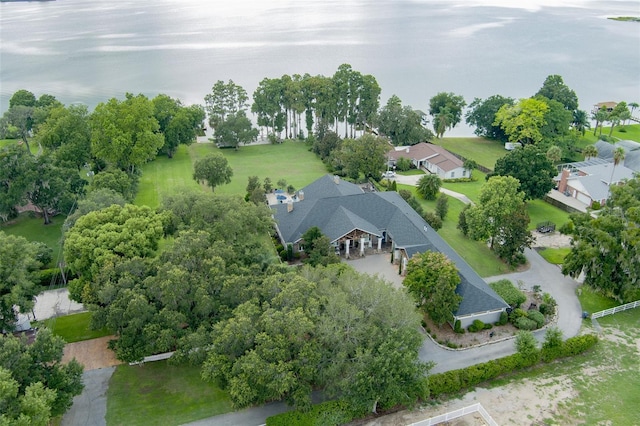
<point x="389" y="174"/>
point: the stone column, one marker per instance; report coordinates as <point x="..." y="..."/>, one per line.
<point x="346" y="248"/>
<point x="379" y="243"/>
<point x="362" y="246"/>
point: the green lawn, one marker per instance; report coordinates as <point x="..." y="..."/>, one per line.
<point x="470" y="189"/>
<point x="628" y="132"/>
<point x="555" y="255"/>
<point x="412" y="172"/>
<point x="166" y="176"/>
<point x="75" y="327"/>
<point x="483" y="151"/>
<point x="541" y="211"/>
<point x="33" y="229"/>
<point x="476" y="253"/>
<point x="290" y="160"/>
<point x="158" y="393"/>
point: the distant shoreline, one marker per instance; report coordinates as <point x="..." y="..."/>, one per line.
<point x="626" y="18"/>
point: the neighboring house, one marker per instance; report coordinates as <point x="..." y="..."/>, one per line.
<point x="631" y="152"/>
<point x="356" y="222"/>
<point x="608" y="105"/>
<point x="432" y="158"/>
<point x="589" y="181"/>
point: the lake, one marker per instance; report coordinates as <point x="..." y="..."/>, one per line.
<point x="89" y="51"/>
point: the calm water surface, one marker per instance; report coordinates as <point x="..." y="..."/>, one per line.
<point x="89" y="51"/>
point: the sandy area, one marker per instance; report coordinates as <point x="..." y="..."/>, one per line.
<point x="515" y="404"/>
<point x="92" y="353"/>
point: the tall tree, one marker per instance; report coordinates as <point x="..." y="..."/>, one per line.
<point x="125" y="133"/>
<point x="580" y="121"/>
<point x="557" y="122"/>
<point x="109" y="236"/>
<point x="213" y="170"/>
<point x="531" y="167"/>
<point x="482" y="115"/>
<point x="365" y="155"/>
<point x="45" y="386"/>
<point x="448" y="107"/>
<point x="67" y="134"/>
<point x="22" y="97"/>
<point x="179" y="124"/>
<point x="18" y="278"/>
<point x="523" y="122"/>
<point x="236" y="129"/>
<point x="432" y="279"/>
<point x="499" y="200"/>
<point x="403" y="125"/>
<point x="14" y="179"/>
<point x="225" y="98"/>
<point x="590" y="151"/>
<point x="619" y="114"/>
<point x="555" y="89"/>
<point x="600" y="116"/>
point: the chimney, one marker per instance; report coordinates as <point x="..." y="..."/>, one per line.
<point x="407" y="150"/>
<point x="336" y="179"/>
<point x="564" y="176"/>
<point x="301" y="195"/>
<point x="289" y="206"/>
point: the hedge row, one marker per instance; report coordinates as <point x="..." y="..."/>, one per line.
<point x="454" y="381"/>
<point x="330" y="413"/>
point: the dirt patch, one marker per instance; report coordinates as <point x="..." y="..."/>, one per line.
<point x="515" y="404"/>
<point x="93" y="354"/>
<point x="551" y="239"/>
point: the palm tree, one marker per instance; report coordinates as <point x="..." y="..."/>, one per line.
<point x="633" y="106"/>
<point x="580" y="121"/>
<point x="429" y="185"/>
<point x="618" y="157"/>
<point x="590" y="152"/>
<point x="554" y="154"/>
<point x="600" y="117"/>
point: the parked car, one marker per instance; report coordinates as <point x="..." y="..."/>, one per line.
<point x="389" y="174"/>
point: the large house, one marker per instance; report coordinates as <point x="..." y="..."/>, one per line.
<point x="432" y="158"/>
<point x="589" y="181"/>
<point x="358" y="222"/>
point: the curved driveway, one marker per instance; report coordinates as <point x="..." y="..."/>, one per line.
<point x="550" y="280"/>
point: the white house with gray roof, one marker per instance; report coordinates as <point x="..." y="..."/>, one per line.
<point x="357" y="221"/>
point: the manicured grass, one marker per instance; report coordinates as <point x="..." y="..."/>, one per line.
<point x="476" y="253"/>
<point x="290" y="160"/>
<point x="541" y="211"/>
<point x="483" y="151"/>
<point x="470" y="189"/>
<point x="555" y="255"/>
<point x="75" y="327"/>
<point x="628" y="132"/>
<point x="411" y="172"/>
<point x="33" y="229"/>
<point x="166" y="176"/>
<point x="7" y="142"/>
<point x="158" y="393"/>
<point x="594" y="302"/>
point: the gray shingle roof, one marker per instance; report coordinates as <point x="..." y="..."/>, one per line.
<point x="375" y="212"/>
<point x="631" y="149"/>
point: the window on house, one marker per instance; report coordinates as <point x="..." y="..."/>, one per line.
<point x="464" y="173"/>
<point x="453" y="174"/>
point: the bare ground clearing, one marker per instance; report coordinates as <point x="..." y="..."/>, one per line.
<point x="93" y="354"/>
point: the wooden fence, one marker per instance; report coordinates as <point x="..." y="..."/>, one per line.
<point x="616" y="309"/>
<point x="475" y="408"/>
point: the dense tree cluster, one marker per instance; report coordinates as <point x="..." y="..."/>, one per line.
<point x="531" y="167"/>
<point x="347" y="97"/>
<point x="402" y="125"/>
<point x="34" y="385"/>
<point x="607" y="248"/>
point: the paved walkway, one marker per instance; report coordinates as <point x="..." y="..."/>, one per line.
<point x="413" y="181"/>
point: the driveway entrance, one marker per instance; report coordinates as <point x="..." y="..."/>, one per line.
<point x="379" y="264"/>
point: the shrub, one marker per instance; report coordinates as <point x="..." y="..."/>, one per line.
<point x="546" y="309"/>
<point x="537" y="317"/>
<point x="578" y="344"/>
<point x="527" y="347"/>
<point x="488" y="326"/>
<point x="457" y="327"/>
<point x="524" y="323"/>
<point x="283" y="255"/>
<point x="549" y="300"/>
<point x="517" y="313"/>
<point x="505" y="289"/>
<point x="477" y="325"/>
<point x="504" y="318"/>
<point x="405" y="194"/>
<point x="596" y="205"/>
<point x="433" y="220"/>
